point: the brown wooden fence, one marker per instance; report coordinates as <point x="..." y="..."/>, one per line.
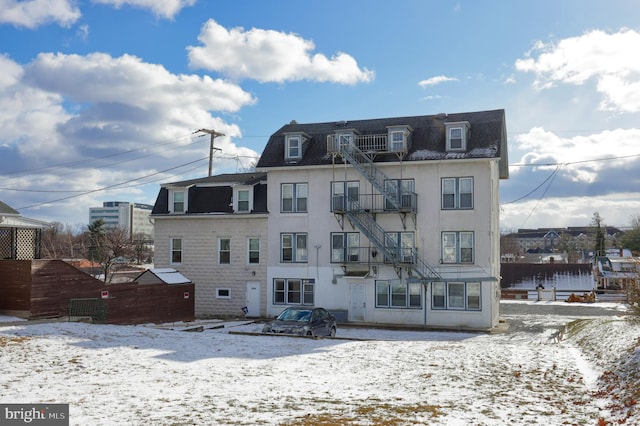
<point x="42" y="289"/>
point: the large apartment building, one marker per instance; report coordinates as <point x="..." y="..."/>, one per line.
<point x="392" y="220"/>
<point x="133" y="216"/>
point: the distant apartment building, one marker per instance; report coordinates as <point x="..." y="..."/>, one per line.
<point x="133" y="216"/>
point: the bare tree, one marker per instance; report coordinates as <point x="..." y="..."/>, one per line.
<point x="107" y="246"/>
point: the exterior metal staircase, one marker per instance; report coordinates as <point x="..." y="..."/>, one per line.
<point x="364" y="164"/>
<point x="366" y="223"/>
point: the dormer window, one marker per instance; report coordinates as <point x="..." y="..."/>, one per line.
<point x="243" y="201"/>
<point x="177" y="202"/>
<point x="399" y="138"/>
<point x="294" y="145"/>
<point x="457" y="136"/>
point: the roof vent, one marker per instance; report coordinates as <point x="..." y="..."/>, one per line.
<point x="341" y="123"/>
<point x="293" y="123"/>
<point x="442" y="116"/>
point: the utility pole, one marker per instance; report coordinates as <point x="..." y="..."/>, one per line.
<point x="214" y="135"/>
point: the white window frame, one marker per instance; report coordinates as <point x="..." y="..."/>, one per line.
<point x="455" y="245"/>
<point x="456" y="296"/>
<point x="251" y="250"/>
<point x="451" y="190"/>
<point x="173" y="249"/>
<point x="248" y="201"/>
<point x="173" y="201"/>
<point x="296" y="199"/>
<point x="227" y="250"/>
<point x="297" y="243"/>
<point x="293" y="149"/>
<point x="461" y="127"/>
<point x="220" y="293"/>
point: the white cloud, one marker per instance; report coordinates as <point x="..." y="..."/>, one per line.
<point x="163" y="8"/>
<point x="435" y="81"/>
<point x="584" y="157"/>
<point x="616" y="210"/>
<point x="270" y="56"/>
<point x="33" y="13"/>
<point x="610" y="59"/>
<point x="66" y="109"/>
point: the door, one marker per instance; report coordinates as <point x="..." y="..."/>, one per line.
<point x="253" y="299"/>
<point x="358" y="302"/>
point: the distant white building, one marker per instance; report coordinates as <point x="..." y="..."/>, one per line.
<point x="133" y="216"/>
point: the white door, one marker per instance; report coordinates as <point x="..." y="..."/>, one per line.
<point x="253" y="299"/>
<point x="358" y="302"/>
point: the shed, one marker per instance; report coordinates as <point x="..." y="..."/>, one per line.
<point x="162" y="276"/>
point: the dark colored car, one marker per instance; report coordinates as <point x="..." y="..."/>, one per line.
<point x="303" y="322"/>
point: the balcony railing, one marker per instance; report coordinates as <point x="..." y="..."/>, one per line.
<point x="406" y="202"/>
<point x="371" y="255"/>
<point x="366" y="143"/>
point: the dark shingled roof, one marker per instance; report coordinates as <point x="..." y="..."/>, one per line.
<point x="213" y="194"/>
<point x="487" y="139"/>
<point x="229" y="178"/>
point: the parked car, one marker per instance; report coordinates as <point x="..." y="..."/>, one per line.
<point x="303" y="321"/>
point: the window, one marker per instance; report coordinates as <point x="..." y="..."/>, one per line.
<point x="243" y="200"/>
<point x="223" y="293"/>
<point x="456" y="295"/>
<point x="294" y="147"/>
<point x="457" y="136"/>
<point x="397" y="141"/>
<point x="457" y="193"/>
<point x="399" y="138"/>
<point x="176" y="250"/>
<point x="293" y="248"/>
<point x="294" y="197"/>
<point x="457" y="247"/>
<point x="344" y="141"/>
<point x="396" y="294"/>
<point x="401" y="244"/>
<point x="352" y="199"/>
<point x="293" y="291"/>
<point x="178" y="202"/>
<point x="345" y="247"/>
<point x="224" y="250"/>
<point x="254" y="250"/>
<point x="400" y="192"/>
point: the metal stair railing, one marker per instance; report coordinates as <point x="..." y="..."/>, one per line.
<point x="364" y="164"/>
<point x="426" y="271"/>
<point x="390" y="249"/>
<point x="374" y="232"/>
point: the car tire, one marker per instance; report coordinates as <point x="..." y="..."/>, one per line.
<point x="309" y="333"/>
<point x="332" y="333"/>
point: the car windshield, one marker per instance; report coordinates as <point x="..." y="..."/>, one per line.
<point x="295" y="315"/>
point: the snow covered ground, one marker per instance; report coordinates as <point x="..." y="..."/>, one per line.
<point x="528" y="375"/>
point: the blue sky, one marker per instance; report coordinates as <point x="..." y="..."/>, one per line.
<point x="102" y="99"/>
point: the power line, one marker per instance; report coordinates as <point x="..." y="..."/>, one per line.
<point x="110" y="186"/>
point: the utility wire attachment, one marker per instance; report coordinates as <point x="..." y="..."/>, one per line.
<point x="214" y="135"/>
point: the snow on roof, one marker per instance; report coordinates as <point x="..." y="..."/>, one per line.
<point x="170" y="276"/>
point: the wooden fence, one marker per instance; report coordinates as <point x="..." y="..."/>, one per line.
<point x="42" y="289"/>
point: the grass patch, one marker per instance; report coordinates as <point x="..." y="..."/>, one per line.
<point x="380" y="414"/>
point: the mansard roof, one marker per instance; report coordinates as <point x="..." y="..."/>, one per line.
<point x="487" y="139"/>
